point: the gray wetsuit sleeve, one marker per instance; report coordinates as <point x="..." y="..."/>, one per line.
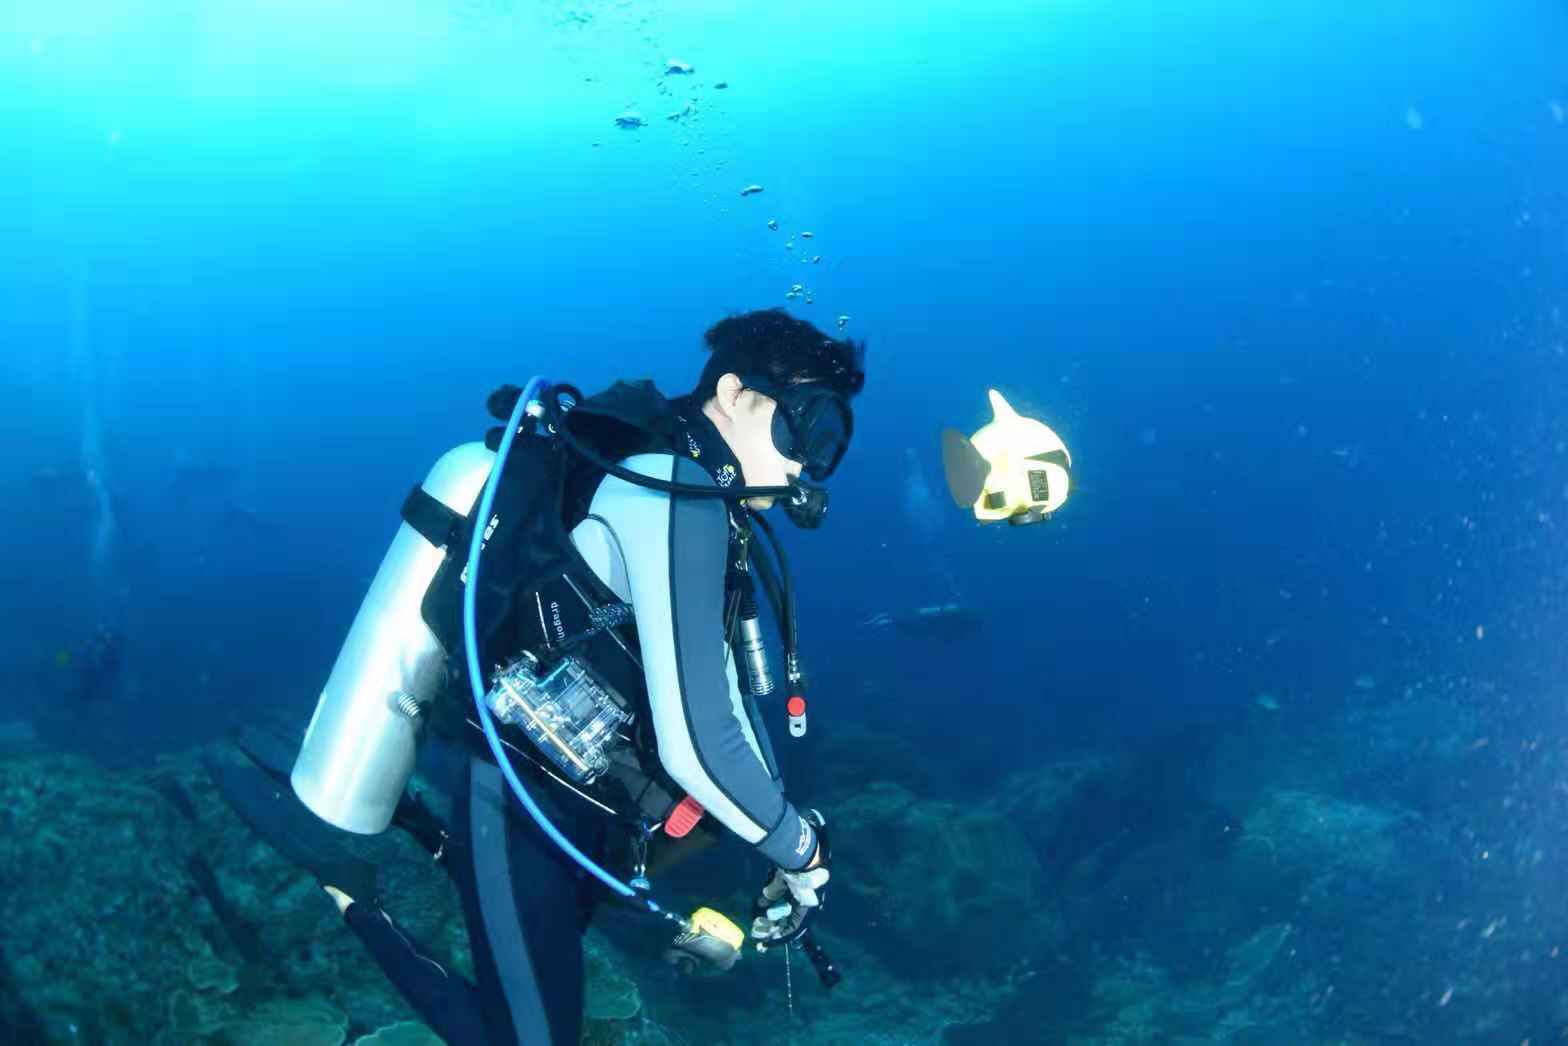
<point x="675" y="551"/>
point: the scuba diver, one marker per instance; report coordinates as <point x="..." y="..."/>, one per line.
<point x="947" y="621"/>
<point x="602" y="616"/>
<point x="98" y="670"/>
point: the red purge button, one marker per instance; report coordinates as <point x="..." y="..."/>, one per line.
<point x="683" y="818"/>
<point x="796" y="706"/>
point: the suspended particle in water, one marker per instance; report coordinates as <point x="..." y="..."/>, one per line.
<point x="1413" y="118"/>
<point x="676" y="67"/>
<point x="807" y="235"/>
<point x="1559" y="113"/>
<point x="808" y="299"/>
<point x="630" y="120"/>
<point x="751" y="190"/>
<point x="721" y="85"/>
<point x="773" y="223"/>
<point x="843" y="321"/>
<point x="816" y="259"/>
<point x="789" y="245"/>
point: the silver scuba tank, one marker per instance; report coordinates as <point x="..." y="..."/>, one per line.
<point x="360" y="746"/>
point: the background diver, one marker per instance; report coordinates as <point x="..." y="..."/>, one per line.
<point x="98" y="667"/>
<point x="941" y="621"/>
<point x="606" y="554"/>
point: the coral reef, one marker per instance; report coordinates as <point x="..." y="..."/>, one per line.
<point x="1265" y="889"/>
<point x="1320" y="843"/>
<point x="942" y="887"/>
<point x="110" y="940"/>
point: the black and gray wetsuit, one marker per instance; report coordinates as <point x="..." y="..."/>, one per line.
<point x="668" y="557"/>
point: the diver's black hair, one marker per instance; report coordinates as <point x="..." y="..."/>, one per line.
<point x="785" y="350"/>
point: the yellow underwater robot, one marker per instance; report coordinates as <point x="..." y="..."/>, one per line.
<point x="1014" y="468"/>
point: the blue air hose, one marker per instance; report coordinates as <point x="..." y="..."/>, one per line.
<point x="476" y="675"/>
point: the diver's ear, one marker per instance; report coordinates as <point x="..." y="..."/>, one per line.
<point x="726" y="393"/>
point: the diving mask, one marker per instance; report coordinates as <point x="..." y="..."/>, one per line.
<point x="812" y="424"/>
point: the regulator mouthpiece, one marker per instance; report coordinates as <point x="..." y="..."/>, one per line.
<point x="806" y="506"/>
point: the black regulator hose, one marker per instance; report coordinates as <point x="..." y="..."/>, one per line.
<point x="555" y="418"/>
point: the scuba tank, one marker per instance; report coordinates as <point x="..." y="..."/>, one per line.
<point x="360" y="747"/>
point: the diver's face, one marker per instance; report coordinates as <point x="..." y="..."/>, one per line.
<point x="744" y="417"/>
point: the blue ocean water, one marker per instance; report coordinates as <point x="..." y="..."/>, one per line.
<point x="1287" y="278"/>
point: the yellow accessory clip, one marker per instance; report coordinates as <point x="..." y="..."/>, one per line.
<point x="716" y="924"/>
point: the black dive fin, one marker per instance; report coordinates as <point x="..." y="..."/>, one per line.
<point x="274" y="813"/>
<point x="275" y="754"/>
<point x="270" y="751"/>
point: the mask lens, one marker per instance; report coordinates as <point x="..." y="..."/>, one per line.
<point x="810" y="425"/>
<point x="823" y="425"/>
<point x="784" y="434"/>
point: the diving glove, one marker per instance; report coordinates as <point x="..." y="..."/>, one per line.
<point x="788" y="898"/>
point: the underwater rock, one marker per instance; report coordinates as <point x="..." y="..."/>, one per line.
<point x="1318" y="836"/>
<point x="403" y="1033"/>
<point x="194" y="1015"/>
<point x="939" y="887"/>
<point x="846" y="757"/>
<point x="208" y="973"/>
<point x="1040" y="800"/>
<point x="1135" y="1000"/>
<point x="310" y="1021"/>
<point x="108" y="939"/>
<point x="610" y="994"/>
<point x="94" y="899"/>
<point x="1218" y="831"/>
